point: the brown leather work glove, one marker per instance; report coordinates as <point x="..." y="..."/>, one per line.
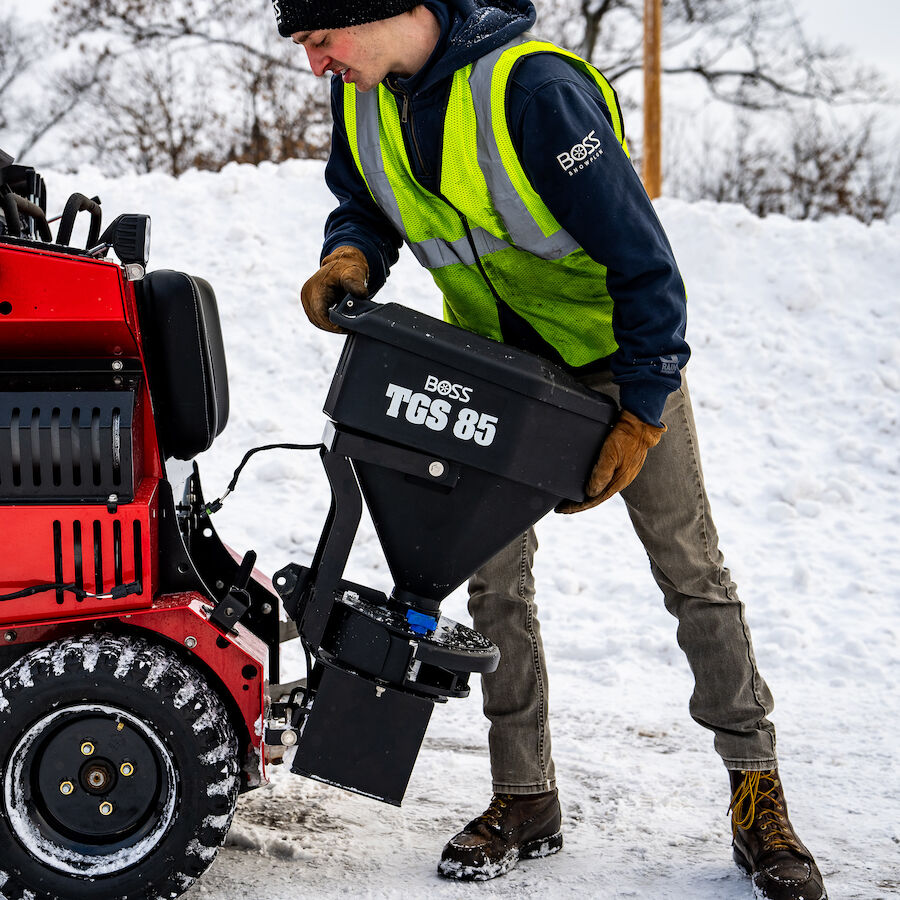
<point x="621" y="457"/>
<point x="343" y="271"/>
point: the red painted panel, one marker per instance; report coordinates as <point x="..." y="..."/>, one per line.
<point x="29" y="556"/>
<point x="62" y="305"/>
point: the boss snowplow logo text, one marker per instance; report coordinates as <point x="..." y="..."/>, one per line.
<point x="437" y="412"/>
<point x="447" y="389"/>
<point x="581" y="154"/>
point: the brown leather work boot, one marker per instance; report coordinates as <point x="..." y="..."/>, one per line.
<point x="765" y="844"/>
<point x="513" y="827"/>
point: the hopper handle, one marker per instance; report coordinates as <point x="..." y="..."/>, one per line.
<point x="345" y="311"/>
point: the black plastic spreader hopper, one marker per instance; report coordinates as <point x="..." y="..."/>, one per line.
<point x="458" y="444"/>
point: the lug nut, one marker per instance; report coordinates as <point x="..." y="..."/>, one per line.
<point x="106" y="808"/>
<point x="87" y="748"/>
<point x="127" y="769"/>
<point x="66" y="788"/>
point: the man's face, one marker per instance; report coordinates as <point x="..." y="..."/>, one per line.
<point x="360" y="54"/>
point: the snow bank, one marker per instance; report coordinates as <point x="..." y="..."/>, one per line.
<point x="795" y="378"/>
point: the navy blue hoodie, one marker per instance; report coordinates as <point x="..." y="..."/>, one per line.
<point x="551" y="107"/>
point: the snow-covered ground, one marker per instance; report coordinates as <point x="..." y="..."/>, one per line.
<point x="795" y="377"/>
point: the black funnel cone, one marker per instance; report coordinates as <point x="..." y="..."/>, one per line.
<point x="435" y="537"/>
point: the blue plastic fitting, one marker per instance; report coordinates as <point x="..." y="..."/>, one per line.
<point x="420" y="623"/>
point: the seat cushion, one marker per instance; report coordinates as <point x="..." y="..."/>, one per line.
<point x="185" y="358"/>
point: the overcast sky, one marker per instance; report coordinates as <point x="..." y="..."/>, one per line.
<point x="870" y="28"/>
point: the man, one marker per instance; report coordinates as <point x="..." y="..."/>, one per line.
<point x="501" y="161"/>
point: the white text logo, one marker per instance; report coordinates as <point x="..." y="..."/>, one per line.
<point x="448" y="389"/>
<point x="580" y="154"/>
<point x="435" y="413"/>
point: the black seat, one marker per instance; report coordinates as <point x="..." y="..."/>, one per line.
<point x="185" y="358"/>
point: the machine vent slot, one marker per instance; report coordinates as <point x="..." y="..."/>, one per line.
<point x="54" y="447"/>
<point x="138" y="555"/>
<point x="75" y="432"/>
<point x="95" y="444"/>
<point x="116" y="435"/>
<point x="57" y="560"/>
<point x="117" y="551"/>
<point x="68" y="446"/>
<point x="77" y="548"/>
<point x="98" y="558"/>
<point x="15" y="442"/>
<point x="36" y="446"/>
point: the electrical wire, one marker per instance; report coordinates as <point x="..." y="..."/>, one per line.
<point x="216" y="504"/>
<point x="117" y="593"/>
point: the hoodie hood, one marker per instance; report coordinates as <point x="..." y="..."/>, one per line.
<point x="470" y="29"/>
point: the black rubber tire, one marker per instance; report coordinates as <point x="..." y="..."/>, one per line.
<point x="104" y="681"/>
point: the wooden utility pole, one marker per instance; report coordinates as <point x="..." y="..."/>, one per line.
<point x="653" y="97"/>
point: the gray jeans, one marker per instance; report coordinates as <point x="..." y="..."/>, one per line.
<point x="670" y="513"/>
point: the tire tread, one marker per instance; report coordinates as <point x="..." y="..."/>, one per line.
<point x="183" y="692"/>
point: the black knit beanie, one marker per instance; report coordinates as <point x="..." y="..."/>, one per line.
<point x="311" y="15"/>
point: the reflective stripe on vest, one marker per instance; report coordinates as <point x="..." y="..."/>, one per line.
<point x="488" y="234"/>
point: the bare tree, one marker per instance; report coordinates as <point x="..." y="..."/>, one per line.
<point x="267" y="105"/>
<point x="36" y="98"/>
<point x="818" y="167"/>
<point x="835" y="171"/>
<point x="750" y="53"/>
<point x="17" y="52"/>
<point x="783" y="153"/>
<point x="283" y="116"/>
<point x="161" y="118"/>
<point x="177" y="83"/>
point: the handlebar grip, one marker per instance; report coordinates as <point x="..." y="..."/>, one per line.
<point x="75" y="204"/>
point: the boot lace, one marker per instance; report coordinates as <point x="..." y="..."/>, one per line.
<point x="494" y="813"/>
<point x="758" y="800"/>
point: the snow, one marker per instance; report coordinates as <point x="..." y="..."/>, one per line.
<point x="126" y="659"/>
<point x="795" y="380"/>
<point x="185" y="693"/>
<point x="155" y="672"/>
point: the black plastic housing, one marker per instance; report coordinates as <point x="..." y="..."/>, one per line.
<point x="66" y="446"/>
<point x="508" y="435"/>
<point x="549" y="427"/>
<point x="458" y="444"/>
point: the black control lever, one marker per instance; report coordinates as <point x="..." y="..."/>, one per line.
<point x="231" y="608"/>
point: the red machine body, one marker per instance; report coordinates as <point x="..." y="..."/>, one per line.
<point x="76" y="310"/>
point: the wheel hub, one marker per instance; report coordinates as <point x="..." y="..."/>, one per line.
<point x="91" y="777"/>
<point x="88" y="751"/>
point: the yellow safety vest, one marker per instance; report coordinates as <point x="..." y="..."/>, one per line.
<point x="488" y="234"/>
